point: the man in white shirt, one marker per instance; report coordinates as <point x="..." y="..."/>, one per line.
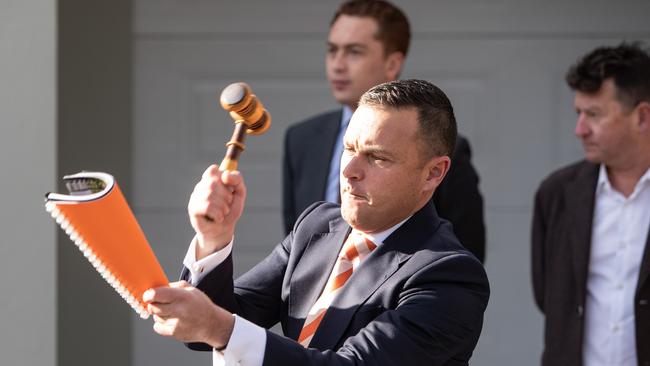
<point x="590" y="239"/>
<point x="378" y="280"/>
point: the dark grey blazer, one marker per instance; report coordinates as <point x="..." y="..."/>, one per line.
<point x="561" y="242"/>
<point x="418" y="299"/>
<point x="307" y="154"/>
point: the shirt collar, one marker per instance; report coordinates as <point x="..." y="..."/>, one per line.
<point x="603" y="180"/>
<point x="345" y="116"/>
<point x="378" y="238"/>
<point x="604" y="185"/>
<point x="645" y="178"/>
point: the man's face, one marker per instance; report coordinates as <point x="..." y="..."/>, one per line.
<point x="604" y="125"/>
<point x="383" y="178"/>
<point x="356" y="60"/>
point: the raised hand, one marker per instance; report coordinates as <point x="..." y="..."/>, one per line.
<point x="215" y="206"/>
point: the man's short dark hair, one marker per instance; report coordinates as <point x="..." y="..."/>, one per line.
<point x="394" y="31"/>
<point x="437" y="132"/>
<point x="627" y="64"/>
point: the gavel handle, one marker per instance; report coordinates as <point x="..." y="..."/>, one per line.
<point x="235" y="147"/>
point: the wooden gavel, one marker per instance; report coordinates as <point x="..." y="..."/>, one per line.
<point x="250" y="118"/>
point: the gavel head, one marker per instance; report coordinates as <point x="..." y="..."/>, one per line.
<point x="243" y="105"/>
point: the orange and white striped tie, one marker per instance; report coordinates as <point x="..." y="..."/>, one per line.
<point x="356" y="249"/>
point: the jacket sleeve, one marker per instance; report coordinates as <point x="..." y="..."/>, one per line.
<point x="256" y="295"/>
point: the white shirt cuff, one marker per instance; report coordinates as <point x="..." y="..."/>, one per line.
<point x="246" y="346"/>
<point x="198" y="269"/>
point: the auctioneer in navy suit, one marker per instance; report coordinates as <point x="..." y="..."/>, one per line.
<point x="418" y="299"/>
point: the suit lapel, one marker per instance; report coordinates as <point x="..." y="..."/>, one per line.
<point x="378" y="267"/>
<point x="580" y="200"/>
<point x="644" y="271"/>
<point x="312" y="272"/>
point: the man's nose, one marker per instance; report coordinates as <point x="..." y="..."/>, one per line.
<point x="351" y="168"/>
<point x="582" y="128"/>
<point x="338" y="61"/>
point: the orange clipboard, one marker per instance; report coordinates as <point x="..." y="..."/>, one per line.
<point x="99" y="221"/>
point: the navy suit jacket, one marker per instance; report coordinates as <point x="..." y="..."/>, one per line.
<point x="307" y="155"/>
<point x="418" y="298"/>
<point x="561" y="243"/>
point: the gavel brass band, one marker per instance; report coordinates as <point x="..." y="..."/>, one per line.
<point x="250" y="118"/>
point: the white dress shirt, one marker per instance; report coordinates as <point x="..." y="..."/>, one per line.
<point x="618" y="238"/>
<point x="247" y="343"/>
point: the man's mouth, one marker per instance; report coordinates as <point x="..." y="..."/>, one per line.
<point x="356" y="195"/>
<point x="340" y="84"/>
<point x="588" y="145"/>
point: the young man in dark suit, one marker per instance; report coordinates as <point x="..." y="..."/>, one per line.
<point x="591" y="223"/>
<point x="366" y="46"/>
<point x="379" y="280"/>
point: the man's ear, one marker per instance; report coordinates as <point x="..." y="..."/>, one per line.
<point x="436" y="170"/>
<point x="393" y="65"/>
<point x="643" y="111"/>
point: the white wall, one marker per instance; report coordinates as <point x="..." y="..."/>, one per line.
<point x="27" y="166"/>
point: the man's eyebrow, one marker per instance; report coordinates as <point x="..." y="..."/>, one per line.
<point x="591" y="108"/>
<point x="376" y="150"/>
<point x="346" y="45"/>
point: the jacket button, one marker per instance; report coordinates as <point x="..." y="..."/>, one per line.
<point x="644" y="302"/>
<point x="580" y="310"/>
